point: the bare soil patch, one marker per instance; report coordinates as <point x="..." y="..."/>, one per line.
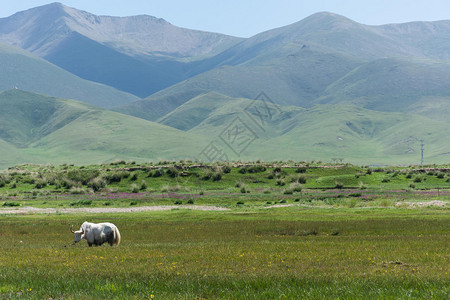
<point x="95" y="210"/>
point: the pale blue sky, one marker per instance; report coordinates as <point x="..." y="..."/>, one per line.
<point x="248" y="17"/>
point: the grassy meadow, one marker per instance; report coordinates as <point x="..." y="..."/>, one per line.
<point x="345" y="232"/>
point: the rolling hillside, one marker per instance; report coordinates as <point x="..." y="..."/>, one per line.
<point x="322" y="132"/>
<point x="391" y="84"/>
<point x="41" y="129"/>
<point x="32" y="73"/>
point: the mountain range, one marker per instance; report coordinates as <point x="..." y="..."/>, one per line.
<point x="325" y="87"/>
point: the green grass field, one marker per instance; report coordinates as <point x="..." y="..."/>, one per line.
<point x="364" y="239"/>
<point x="260" y="254"/>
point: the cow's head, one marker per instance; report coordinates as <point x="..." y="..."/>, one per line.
<point x="79" y="235"/>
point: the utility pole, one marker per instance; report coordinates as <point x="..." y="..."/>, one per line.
<point x="422" y="149"/>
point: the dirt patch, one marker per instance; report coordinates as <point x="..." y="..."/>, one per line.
<point x="280" y="205"/>
<point x="98" y="210"/>
<point x="437" y="203"/>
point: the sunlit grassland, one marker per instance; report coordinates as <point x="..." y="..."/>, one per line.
<point x="242" y="254"/>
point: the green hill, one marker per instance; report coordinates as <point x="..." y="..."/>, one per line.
<point x="42" y="129"/>
<point x="321" y="132"/>
<point x="391" y="84"/>
<point x="31" y="73"/>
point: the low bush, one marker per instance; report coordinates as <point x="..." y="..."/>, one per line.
<point x="355" y="195"/>
<point x="339" y="185"/>
<point x="217" y="176"/>
<point x="77" y="190"/>
<point x="281" y="182"/>
<point x="134" y="188"/>
<point x="10" y="204"/>
<point x="81" y="203"/>
<point x="417" y="179"/>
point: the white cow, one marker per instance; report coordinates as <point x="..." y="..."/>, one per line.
<point x="97" y="234"/>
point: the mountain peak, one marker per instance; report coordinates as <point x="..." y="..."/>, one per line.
<point x="328" y="20"/>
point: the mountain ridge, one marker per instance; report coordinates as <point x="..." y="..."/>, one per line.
<point x="28" y="72"/>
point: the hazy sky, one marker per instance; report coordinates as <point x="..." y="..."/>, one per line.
<point x="248" y="17"/>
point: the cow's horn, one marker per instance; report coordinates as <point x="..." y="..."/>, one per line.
<point x="71" y="230"/>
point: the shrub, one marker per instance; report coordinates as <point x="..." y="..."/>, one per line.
<point x="208" y="175"/>
<point x="217" y="176"/>
<point x="77" y="190"/>
<point x="226" y="169"/>
<point x="134" y="188"/>
<point x="283" y="201"/>
<point x="417" y="179"/>
<point x="271" y="176"/>
<point x="239" y="203"/>
<point x="301" y="170"/>
<point x="132" y="203"/>
<point x="81" y="202"/>
<point x="281" y="182"/>
<point x="369" y="171"/>
<point x="190" y="201"/>
<point x="173" y="172"/>
<point x="83" y="176"/>
<point x="277" y="170"/>
<point x="244" y="190"/>
<point x="178" y="202"/>
<point x="172" y="189"/>
<point x="256" y="169"/>
<point x="335" y="232"/>
<point x="409" y="175"/>
<point x="355" y="195"/>
<point x="158" y="173"/>
<point x="288" y="191"/>
<point x="11" y="204"/>
<point x="243" y="170"/>
<point x="97" y="183"/>
<point x="440" y="175"/>
<point x="143" y="185"/>
<point x="301" y="179"/>
<point x="117" y="176"/>
<point x="296" y="187"/>
<point x="385" y="202"/>
<point x="134" y="177"/>
<point x="41" y="183"/>
<point x="386" y="179"/>
<point x="339" y="185"/>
